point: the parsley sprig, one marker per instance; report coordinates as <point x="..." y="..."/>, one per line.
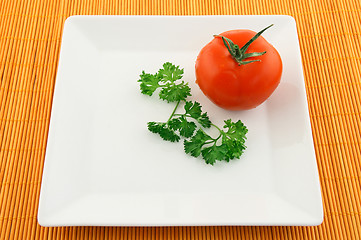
<point x="192" y="122"/>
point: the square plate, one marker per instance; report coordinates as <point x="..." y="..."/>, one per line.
<point x="103" y="167"/>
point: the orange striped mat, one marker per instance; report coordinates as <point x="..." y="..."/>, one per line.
<point x="330" y="38"/>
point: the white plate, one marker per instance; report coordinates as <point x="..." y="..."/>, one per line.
<point x="103" y="167"/>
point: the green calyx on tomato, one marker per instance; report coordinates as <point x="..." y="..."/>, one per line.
<point x="239" y="54"/>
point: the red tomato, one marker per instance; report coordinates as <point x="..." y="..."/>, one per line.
<point x="235" y="86"/>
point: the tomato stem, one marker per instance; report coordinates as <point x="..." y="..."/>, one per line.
<point x="239" y="54"/>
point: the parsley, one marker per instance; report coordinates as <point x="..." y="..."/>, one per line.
<point x="227" y="146"/>
<point x="166" y="80"/>
<point x="191" y="124"/>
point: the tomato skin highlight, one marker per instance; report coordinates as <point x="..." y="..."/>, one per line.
<point x="238" y="87"/>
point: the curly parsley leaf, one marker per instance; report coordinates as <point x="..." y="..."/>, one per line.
<point x="170" y="72"/>
<point x="195" y="144"/>
<point x="194" y="109"/>
<point x="229" y="145"/>
<point x="204" y="120"/>
<point x="213" y="153"/>
<point x="186" y="128"/>
<point x="236" y="130"/>
<point x="164" y="131"/>
<point x="235" y="148"/>
<point x="234" y="138"/>
<point x="172" y="92"/>
<point x="148" y="83"/>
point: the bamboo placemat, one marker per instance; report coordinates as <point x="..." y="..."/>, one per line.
<point x="330" y="38"/>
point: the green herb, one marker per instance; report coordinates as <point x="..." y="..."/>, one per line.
<point x="191" y="124"/>
<point x="231" y="143"/>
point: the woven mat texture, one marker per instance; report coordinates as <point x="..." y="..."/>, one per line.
<point x="330" y="39"/>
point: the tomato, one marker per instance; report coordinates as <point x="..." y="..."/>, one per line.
<point x="238" y="85"/>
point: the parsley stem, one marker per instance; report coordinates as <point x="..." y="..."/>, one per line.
<point x="213" y="139"/>
<point x="217" y="127"/>
<point x="220" y="132"/>
<point x="173" y="113"/>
